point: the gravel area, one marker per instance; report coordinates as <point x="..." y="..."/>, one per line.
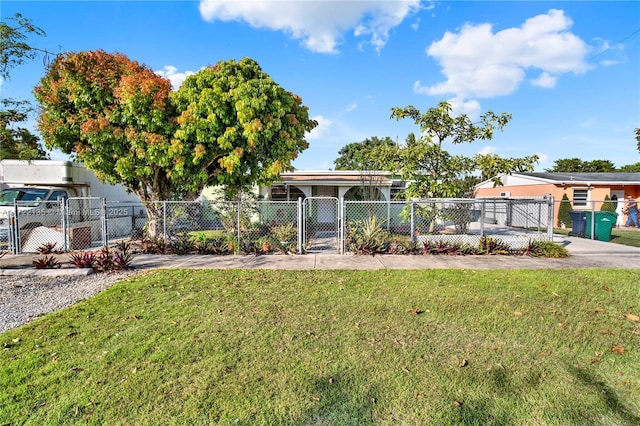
<point x="24" y="298"/>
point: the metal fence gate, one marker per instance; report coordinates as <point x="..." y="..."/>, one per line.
<point x="321" y="229"/>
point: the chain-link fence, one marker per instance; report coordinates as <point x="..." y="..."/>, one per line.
<point x="374" y="226"/>
<point x="593" y="219"/>
<point x="315" y="224"/>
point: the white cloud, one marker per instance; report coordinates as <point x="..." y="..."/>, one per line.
<point x="319" y="25"/>
<point x="321" y="130"/>
<point x="459" y="106"/>
<point x="479" y="63"/>
<point x="351" y="107"/>
<point x="176" y="78"/>
<point x="542" y="158"/>
<point x="545" y="80"/>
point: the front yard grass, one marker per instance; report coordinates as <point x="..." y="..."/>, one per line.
<point x="627" y="237"/>
<point x="557" y="347"/>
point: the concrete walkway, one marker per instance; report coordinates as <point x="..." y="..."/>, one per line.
<point x="583" y="254"/>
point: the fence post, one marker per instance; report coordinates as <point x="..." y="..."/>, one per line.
<point x="342" y="226"/>
<point x="15" y="232"/>
<point x="64" y="209"/>
<point x="550" y="219"/>
<point x="238" y="224"/>
<point x="593" y="220"/>
<point x="483" y="211"/>
<point x="103" y="221"/>
<point x="300" y="225"/>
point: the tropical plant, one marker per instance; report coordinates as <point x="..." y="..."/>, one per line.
<point x="367" y="236"/>
<point x="48" y="248"/>
<point x="83" y="260"/>
<point x="489" y="246"/>
<point x="47" y="262"/>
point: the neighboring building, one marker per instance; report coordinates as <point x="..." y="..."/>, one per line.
<point x="350" y="185"/>
<point x="585" y="190"/>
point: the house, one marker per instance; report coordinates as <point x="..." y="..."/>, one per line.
<point x="347" y="184"/>
<point x="586" y="191"/>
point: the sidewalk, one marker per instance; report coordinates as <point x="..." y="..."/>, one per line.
<point x="583" y="254"/>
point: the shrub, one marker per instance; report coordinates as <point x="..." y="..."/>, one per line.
<point x="47" y="262"/>
<point x="607" y="206"/>
<point x="181" y="246"/>
<point x="490" y="245"/>
<point x="154" y="246"/>
<point x="48" y="248"/>
<point x="83" y="260"/>
<point x="367" y="236"/>
<point x="563" y="212"/>
<point x="547" y="249"/>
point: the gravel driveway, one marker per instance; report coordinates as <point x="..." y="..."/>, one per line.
<point x="23" y="298"/>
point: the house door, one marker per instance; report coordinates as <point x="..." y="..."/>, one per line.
<point x="321" y="224"/>
<point x="617" y="198"/>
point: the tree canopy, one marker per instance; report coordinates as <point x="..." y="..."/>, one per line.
<point x="16" y="141"/>
<point x="361" y="155"/>
<point x="229" y="124"/>
<point x="433" y="171"/>
<point x="576" y="165"/>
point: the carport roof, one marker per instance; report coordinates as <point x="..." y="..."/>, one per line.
<point x="337" y="178"/>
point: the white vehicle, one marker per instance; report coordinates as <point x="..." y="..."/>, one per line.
<point x="36" y="192"/>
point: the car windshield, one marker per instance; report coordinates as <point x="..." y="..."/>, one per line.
<point x="9" y="195"/>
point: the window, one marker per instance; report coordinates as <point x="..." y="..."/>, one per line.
<point x="580" y="197"/>
<point x="286" y="193"/>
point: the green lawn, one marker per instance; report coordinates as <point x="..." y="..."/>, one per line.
<point x="627" y="237"/>
<point x="334" y="348"/>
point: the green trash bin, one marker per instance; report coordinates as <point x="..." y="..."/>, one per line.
<point x="604" y="224"/>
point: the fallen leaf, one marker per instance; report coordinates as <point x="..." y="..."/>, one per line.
<point x="632" y="317"/>
<point x="595" y="360"/>
<point x="415" y="311"/>
<point x="517" y="313"/>
<point x="457" y="403"/>
<point x="543" y="285"/>
<point x="618" y="349"/>
<point x="16" y="340"/>
<point x="598" y="311"/>
<point x="330" y="379"/>
<point x="605" y="288"/>
<point x="607" y="331"/>
<point x="464" y="363"/>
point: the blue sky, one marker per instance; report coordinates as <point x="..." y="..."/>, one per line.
<point x="569" y="72"/>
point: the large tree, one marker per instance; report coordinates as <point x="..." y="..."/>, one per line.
<point x="433" y="171"/>
<point x="16" y="141"/>
<point x="360" y="155"/>
<point x="245" y="128"/>
<point x="229" y="124"/>
<point x="576" y="165"/>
